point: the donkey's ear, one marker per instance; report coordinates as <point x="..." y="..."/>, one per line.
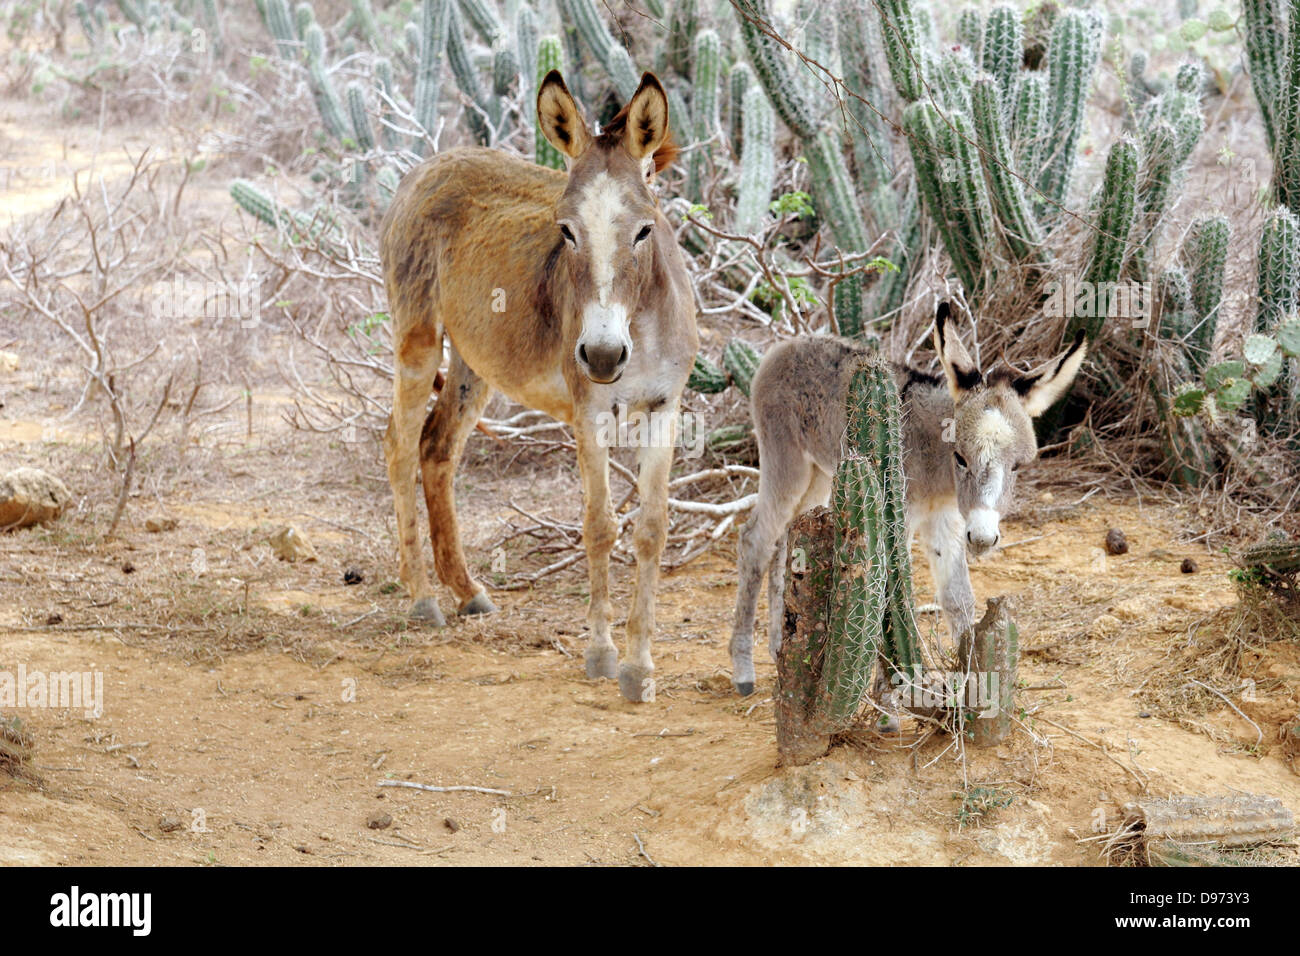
<point x="561" y="120"/>
<point x="1040" y="390"/>
<point x="647" y="119"/>
<point x="958" y="367"/>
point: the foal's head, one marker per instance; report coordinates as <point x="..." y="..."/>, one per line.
<point x="993" y="435"/>
<point x="606" y="217"/>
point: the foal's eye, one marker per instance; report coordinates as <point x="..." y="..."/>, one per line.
<point x="642" y="236"/>
<point x="567" y="233"/>
<point x="961" y="462"/>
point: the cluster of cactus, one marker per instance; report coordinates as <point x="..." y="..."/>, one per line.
<point x="1272" y="35"/>
<point x="1260" y="374"/>
<point x="861" y="604"/>
<point x="319" y="228"/>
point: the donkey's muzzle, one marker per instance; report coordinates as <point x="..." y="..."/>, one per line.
<point x="603" y="363"/>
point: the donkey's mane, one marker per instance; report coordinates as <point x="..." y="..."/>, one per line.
<point x="612" y="135"/>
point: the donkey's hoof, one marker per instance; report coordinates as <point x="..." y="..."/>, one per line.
<point x="601" y="662"/>
<point x="479" y="604"/>
<point x="426" y="611"/>
<point x="744" y="688"/>
<point x="636" y="683"/>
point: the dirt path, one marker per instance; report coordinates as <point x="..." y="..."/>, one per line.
<point x="262" y="757"/>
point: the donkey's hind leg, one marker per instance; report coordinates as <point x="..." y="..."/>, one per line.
<point x="818" y="493"/>
<point x="454" y="416"/>
<point x="782" y="486"/>
<point x="416" y="360"/>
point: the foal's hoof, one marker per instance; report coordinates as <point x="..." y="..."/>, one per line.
<point x="426" y="611"/>
<point x="743" y="688"/>
<point x="636" y="683"/>
<point x="601" y="662"/>
<point x="479" y="604"/>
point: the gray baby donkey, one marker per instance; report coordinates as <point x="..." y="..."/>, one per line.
<point x="964" y="434"/>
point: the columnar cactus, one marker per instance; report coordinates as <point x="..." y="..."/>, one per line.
<point x="1072" y="59"/>
<point x="870" y="601"/>
<point x="322" y="88"/>
<point x="363" y="15"/>
<point x="482" y="17"/>
<point x="1205" y="253"/>
<point x="1265" y="34"/>
<point x="900" y="36"/>
<point x="741" y="360"/>
<point x="1002" y="51"/>
<point x="362" y="132"/>
<point x="435" y="18"/>
<point x="706" y="377"/>
<point x="1013" y="209"/>
<point x="611" y="54"/>
<point x="1029" y="124"/>
<point x="757" y="161"/>
<point x="526" y="41"/>
<point x="739" y="81"/>
<point x="704" y="112"/>
<point x="970" y="30"/>
<point x="280" y="23"/>
<point x="1279" y="269"/>
<point x="550" y="56"/>
<point x="682" y="27"/>
<point x="480" y="107"/>
<point x="1117" y="206"/>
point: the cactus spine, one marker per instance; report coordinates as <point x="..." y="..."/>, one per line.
<point x="550" y="56"/>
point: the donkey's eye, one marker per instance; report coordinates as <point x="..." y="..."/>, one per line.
<point x="567" y="233"/>
<point x="961" y="462"/>
<point x="642" y="236"/>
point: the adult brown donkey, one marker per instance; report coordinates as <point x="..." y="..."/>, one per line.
<point x="566" y="291"/>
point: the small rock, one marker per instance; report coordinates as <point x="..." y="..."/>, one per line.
<point x="1159" y="554"/>
<point x="54" y="618"/>
<point x="1116" y="543"/>
<point x="1144" y="714"/>
<point x="1188" y="566"/>
<point x="169" y="824"/>
<point x="8" y="361"/>
<point x="353" y="576"/>
<point x="128" y="567"/>
<point x="1047" y="497"/>
<point x="159" y="523"/>
<point x="379" y="821"/>
<point x="30" y="496"/>
<point x="291" y="545"/>
<point x="451" y="824"/>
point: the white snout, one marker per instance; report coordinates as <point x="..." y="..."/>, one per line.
<point x="604" y="346"/>
<point x="982" y="530"/>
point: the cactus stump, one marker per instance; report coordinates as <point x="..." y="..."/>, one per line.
<point x="991" y="650"/>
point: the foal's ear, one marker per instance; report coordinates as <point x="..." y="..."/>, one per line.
<point x="647" y="119"/>
<point x="561" y="120"/>
<point x="1040" y="390"/>
<point x="958" y="367"/>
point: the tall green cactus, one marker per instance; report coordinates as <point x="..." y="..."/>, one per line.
<point x="1029" y="124"/>
<point x="1002" y="51"/>
<point x="757" y="161"/>
<point x="1264" y="27"/>
<point x="772" y="68"/>
<point x="362" y="131"/>
<point x="482" y="17"/>
<point x="704" y="111"/>
<point x="1278" y="285"/>
<point x="683" y="24"/>
<point x="970" y="30"/>
<point x="1013" y="209"/>
<point x="1117" y="208"/>
<point x="739" y="80"/>
<point x="435" y="19"/>
<point x="526" y="41"/>
<point x="1072" y="57"/>
<point x="481" y="108"/>
<point x="1286" y="143"/>
<point x="870" y="600"/>
<point x="280" y="22"/>
<point x="550" y="56"/>
<point x="608" y="51"/>
<point x="901" y="37"/>
<point x="1205" y="254"/>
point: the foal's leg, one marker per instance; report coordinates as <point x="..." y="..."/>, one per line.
<point x="781" y="487"/>
<point x="598" y="534"/>
<point x="635" y="678"/>
<point x="944" y="536"/>
<point x="818" y="493"/>
<point x="454" y="416"/>
<point x="415" y="365"/>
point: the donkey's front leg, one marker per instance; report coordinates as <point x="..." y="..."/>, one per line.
<point x="945" y="545"/>
<point x="635" y="675"/>
<point x="598" y="535"/>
